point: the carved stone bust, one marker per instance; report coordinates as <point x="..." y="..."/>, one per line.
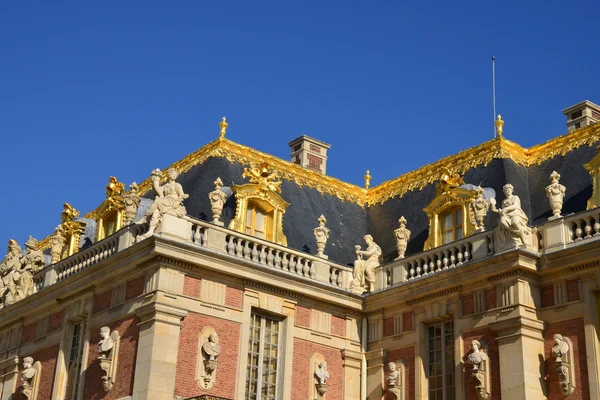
<point x="212" y="347"/>
<point x="476" y="357"/>
<point x="393" y="374"/>
<point x="560" y="348"/>
<point x="321" y="374"/>
<point x="106" y="343"/>
<point x="28" y="373"/>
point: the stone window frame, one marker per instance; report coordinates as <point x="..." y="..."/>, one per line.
<point x="449" y="392"/>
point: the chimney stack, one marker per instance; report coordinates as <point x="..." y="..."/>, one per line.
<point x="310" y="153"/>
<point x="581" y="115"/>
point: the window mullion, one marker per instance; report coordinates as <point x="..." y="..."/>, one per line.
<point x="261" y="355"/>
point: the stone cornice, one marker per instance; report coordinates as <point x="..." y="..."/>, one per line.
<point x="430" y="296"/>
<point x="515" y="272"/>
<point x="270" y="288"/>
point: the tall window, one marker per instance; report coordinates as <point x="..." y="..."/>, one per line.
<point x="263" y="358"/>
<point x="256" y="222"/>
<point x="441" y="361"/>
<point x="452" y="225"/>
<point x="75" y="360"/>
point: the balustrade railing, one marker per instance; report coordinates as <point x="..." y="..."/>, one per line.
<point x="584" y="225"/>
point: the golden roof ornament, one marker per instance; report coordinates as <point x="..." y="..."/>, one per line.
<point x="499" y="124"/>
<point x="114" y="187"/>
<point x="448" y="180"/>
<point x="69" y="213"/>
<point x="223" y="124"/>
<point x="367" y="179"/>
<point x="263" y="176"/>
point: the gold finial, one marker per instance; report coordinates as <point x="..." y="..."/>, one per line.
<point x="499" y="124"/>
<point x="223" y="124"/>
<point x="367" y="179"/>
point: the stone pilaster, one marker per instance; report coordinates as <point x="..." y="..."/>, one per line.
<point x="352" y="361"/>
<point x="9" y="368"/>
<point x="375" y="372"/>
<point x="158" y="344"/>
<point x="521" y="349"/>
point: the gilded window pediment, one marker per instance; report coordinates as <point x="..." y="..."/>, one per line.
<point x="259" y="209"/>
<point x="111" y="213"/>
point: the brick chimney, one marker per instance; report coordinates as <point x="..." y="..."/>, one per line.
<point x="582" y="114"/>
<point x="310" y="153"/>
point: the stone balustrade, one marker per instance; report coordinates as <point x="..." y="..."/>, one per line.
<point x="572" y="230"/>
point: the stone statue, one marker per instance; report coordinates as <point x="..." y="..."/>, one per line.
<point x="131" y="200"/>
<point x="28" y="376"/>
<point x="478" y="359"/>
<point x="513" y="220"/>
<point x="57" y="243"/>
<point x="364" y="269"/>
<point x="168" y="200"/>
<point x="107" y="356"/>
<point x="34" y="259"/>
<point x="479" y="209"/>
<point x="560" y="348"/>
<point x="556" y="194"/>
<point x="217" y="200"/>
<point x="11" y="287"/>
<point x="322" y="376"/>
<point x="211" y="347"/>
<point x="393" y="375"/>
<point x="402" y="236"/>
<point x="321" y="235"/>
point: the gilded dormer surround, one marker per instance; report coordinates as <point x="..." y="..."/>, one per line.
<point x="111" y="213"/>
<point x="259" y="210"/>
<point x="593" y="167"/>
<point x="71" y="230"/>
<point x="453" y="201"/>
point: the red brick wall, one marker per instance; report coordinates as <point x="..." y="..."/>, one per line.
<point x="129" y="330"/>
<point x="134" y="288"/>
<point x="303" y="352"/>
<point x="55" y="321"/>
<point x="234" y="297"/>
<point x="314" y="148"/>
<point x="573" y="290"/>
<point x="574" y="330"/>
<point x="47" y="357"/>
<point x="102" y="301"/>
<point x="408" y="321"/>
<point x="407" y="355"/>
<point x="28" y="332"/>
<point x="490" y="298"/>
<point x="338" y="326"/>
<point x="303" y="316"/>
<point x="314" y="162"/>
<point x="191" y="286"/>
<point x="229" y="339"/>
<point x="493" y="352"/>
<point x="547" y="294"/>
<point x="388" y="326"/>
<point x="468" y="305"/>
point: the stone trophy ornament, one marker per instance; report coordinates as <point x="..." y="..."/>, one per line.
<point x="480" y="372"/>
<point x="321" y="377"/>
<point x="564" y="363"/>
<point x="168" y="200"/>
<point x="364" y="266"/>
<point x="394" y="378"/>
<point x="57" y="243"/>
<point x="513" y="228"/>
<point x="479" y="209"/>
<point x="131" y="200"/>
<point x="108" y="353"/>
<point x="30" y="378"/>
<point x="217" y="200"/>
<point x="556" y="194"/>
<point x="402" y="236"/>
<point x="209" y="351"/>
<point x="321" y="236"/>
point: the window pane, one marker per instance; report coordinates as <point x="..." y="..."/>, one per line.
<point x="448" y="221"/>
<point x="458" y="233"/>
<point x="260" y="221"/>
<point x="459" y="217"/>
<point x="249" y="217"/>
<point x="263" y="355"/>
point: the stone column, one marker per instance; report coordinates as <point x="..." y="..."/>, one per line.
<point x="375" y="374"/>
<point x="9" y="368"/>
<point x="521" y="349"/>
<point x="158" y="343"/>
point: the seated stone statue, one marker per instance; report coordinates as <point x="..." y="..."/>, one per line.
<point x="211" y="347"/>
<point x="364" y="269"/>
<point x="513" y="220"/>
<point x="169" y="200"/>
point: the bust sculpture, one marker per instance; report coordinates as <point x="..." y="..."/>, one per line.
<point x="402" y="236"/>
<point x="364" y="266"/>
<point x="556" y="193"/>
<point x="560" y="348"/>
<point x="321" y="236"/>
<point x="28" y="376"/>
<point x="211" y="347"/>
<point x="217" y="200"/>
<point x="393" y="375"/>
<point x="168" y="200"/>
<point x="476" y="357"/>
<point x="513" y="220"/>
<point x="57" y="243"/>
<point x="480" y="373"/>
<point x="106" y="343"/>
<point x="131" y="200"/>
<point x="321" y="374"/>
<point x="479" y="209"/>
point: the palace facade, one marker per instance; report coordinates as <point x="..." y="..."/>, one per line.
<point x="234" y="274"/>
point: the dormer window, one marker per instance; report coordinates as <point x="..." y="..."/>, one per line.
<point x="452" y="225"/>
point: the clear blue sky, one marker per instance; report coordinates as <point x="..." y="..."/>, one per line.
<point x="90" y="89"/>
